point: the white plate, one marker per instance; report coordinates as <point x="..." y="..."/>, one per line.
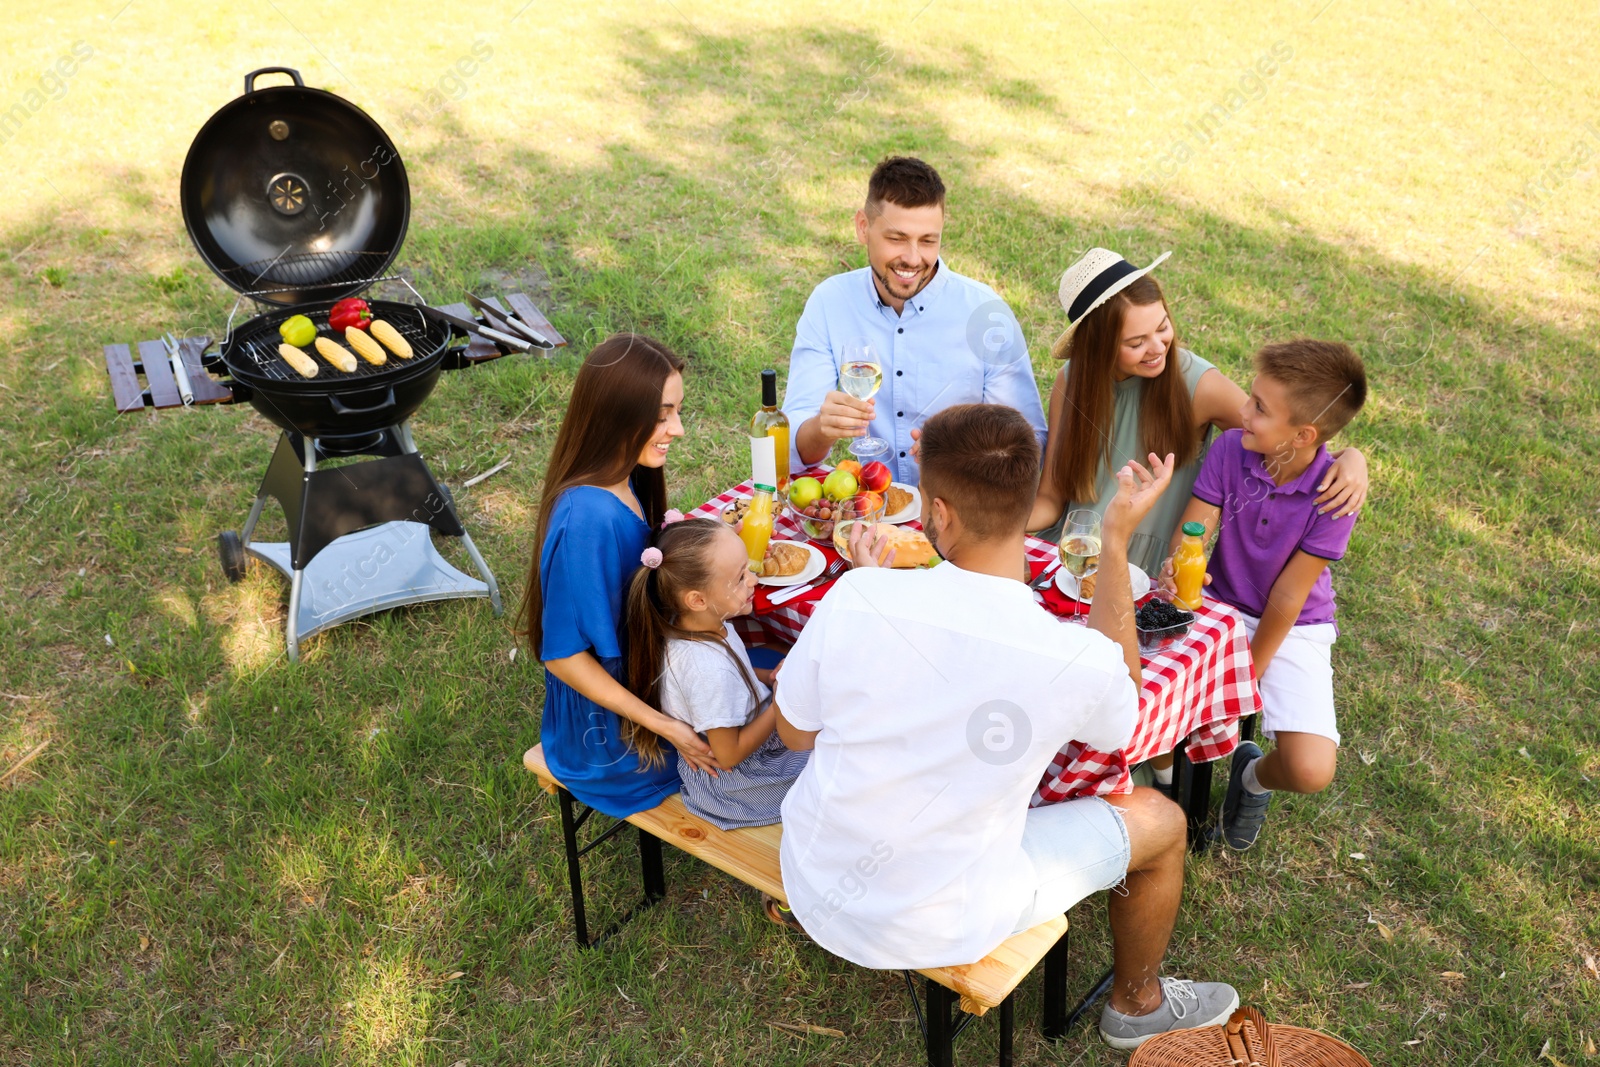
<point x="812" y="568"/>
<point x="1068" y="583"/>
<point x="911" y="511"/>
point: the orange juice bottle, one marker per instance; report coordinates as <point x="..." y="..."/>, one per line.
<point x="1189" y="565"/>
<point x="757" y="528"/>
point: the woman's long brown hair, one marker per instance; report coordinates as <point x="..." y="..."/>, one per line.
<point x="614" y="411"/>
<point x="655" y="600"/>
<point x="1166" y="410"/>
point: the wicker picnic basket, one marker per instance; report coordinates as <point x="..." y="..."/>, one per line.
<point x="1247" y="1041"/>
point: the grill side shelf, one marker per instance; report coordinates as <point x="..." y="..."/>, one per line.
<point x="160" y="389"/>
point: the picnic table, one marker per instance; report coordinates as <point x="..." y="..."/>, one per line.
<point x="1196" y="689"/>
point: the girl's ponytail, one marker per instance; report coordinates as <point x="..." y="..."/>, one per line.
<point x="645" y="657"/>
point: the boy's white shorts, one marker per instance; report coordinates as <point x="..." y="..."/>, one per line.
<point x="1297" y="692"/>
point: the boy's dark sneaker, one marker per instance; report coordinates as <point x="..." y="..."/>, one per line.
<point x="1184" y="1006"/>
<point x="1243" y="812"/>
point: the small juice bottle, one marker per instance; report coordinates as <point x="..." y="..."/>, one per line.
<point x="1189" y="565"/>
<point x="757" y="528"/>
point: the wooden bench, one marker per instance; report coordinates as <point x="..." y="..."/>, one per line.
<point x="955" y="995"/>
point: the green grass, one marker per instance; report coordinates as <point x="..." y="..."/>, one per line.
<point x="224" y="857"/>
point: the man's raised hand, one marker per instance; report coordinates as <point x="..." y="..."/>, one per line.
<point x="1138" y="489"/>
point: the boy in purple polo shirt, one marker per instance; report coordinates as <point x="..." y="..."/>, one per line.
<point x="1271" y="562"/>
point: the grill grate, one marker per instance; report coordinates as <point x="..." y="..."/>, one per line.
<point x="307" y="271"/>
<point x="258" y="340"/>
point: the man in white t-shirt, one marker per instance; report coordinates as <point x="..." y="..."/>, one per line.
<point x="933" y="701"/>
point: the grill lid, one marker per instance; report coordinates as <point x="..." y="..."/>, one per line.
<point x="293" y="194"/>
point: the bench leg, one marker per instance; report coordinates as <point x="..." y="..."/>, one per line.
<point x="1057" y="1020"/>
<point x="1007" y="1020"/>
<point x="569" y="836"/>
<point x="941" y="1036"/>
<point x="651" y="868"/>
<point x="1054" y="1022"/>
<point x="655" y="878"/>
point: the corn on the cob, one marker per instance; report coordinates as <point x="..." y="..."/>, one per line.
<point x="391" y="338"/>
<point x="366" y="347"/>
<point x="335" y="353"/>
<point x="303" y="364"/>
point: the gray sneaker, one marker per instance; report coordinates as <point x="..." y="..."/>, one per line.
<point x="1243" y="812"/>
<point x="1184" y="1006"/>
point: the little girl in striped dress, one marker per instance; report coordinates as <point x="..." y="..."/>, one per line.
<point x="684" y="658"/>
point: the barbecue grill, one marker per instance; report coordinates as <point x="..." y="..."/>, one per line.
<point x="296" y="199"/>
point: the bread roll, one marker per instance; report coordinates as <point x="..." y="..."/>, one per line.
<point x="911" y="547"/>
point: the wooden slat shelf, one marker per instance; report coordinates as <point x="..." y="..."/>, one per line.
<point x="160" y="387"/>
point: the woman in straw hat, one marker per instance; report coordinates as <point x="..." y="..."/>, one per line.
<point x="1128" y="390"/>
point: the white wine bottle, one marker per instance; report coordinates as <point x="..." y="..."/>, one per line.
<point x="770" y="422"/>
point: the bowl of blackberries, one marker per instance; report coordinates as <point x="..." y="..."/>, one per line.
<point x="1160" y="623"/>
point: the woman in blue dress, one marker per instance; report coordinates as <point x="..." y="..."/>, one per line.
<point x="604" y="492"/>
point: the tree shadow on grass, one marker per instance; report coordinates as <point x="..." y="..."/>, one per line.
<point x="330" y="841"/>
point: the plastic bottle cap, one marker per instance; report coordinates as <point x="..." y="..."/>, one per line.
<point x="1194" y="529"/>
<point x="765" y="488"/>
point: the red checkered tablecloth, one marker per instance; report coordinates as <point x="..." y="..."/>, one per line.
<point x="1197" y="688"/>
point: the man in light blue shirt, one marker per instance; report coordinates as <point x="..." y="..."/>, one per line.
<point x="941" y="338"/>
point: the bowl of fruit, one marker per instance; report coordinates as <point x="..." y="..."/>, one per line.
<point x="1160" y="623"/>
<point x="816" y="505"/>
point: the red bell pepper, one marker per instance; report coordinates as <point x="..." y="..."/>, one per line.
<point x="352" y="311"/>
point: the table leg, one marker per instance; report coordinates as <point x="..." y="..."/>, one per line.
<point x="1193" y="781"/>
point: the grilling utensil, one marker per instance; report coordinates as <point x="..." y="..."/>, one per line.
<point x="179" y="374"/>
<point x="505" y="323"/>
<point x="498" y="336"/>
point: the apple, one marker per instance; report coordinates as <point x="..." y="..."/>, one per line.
<point x="839" y="485"/>
<point x="875" y="477"/>
<point x="804" y="491"/>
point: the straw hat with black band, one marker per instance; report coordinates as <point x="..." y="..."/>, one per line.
<point x="1097" y="277"/>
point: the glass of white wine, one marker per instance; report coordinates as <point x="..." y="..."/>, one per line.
<point x="1080" y="542"/>
<point x="861" y="376"/>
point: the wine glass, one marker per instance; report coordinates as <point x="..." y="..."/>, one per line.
<point x="861" y="376"/>
<point x="1080" y="542"/>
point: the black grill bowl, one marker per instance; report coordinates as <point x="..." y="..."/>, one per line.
<point x="336" y="404"/>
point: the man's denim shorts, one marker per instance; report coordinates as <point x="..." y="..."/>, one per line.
<point x="1077" y="848"/>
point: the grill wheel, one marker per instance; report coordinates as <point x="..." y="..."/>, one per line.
<point x="231" y="548"/>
